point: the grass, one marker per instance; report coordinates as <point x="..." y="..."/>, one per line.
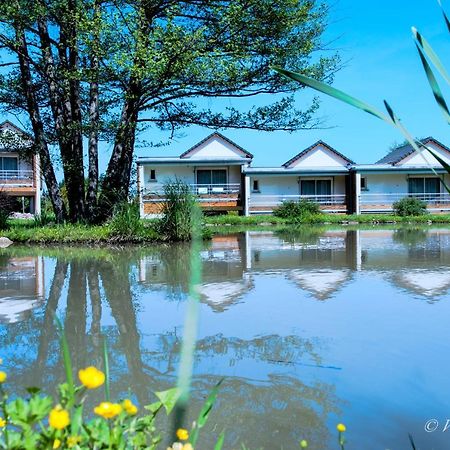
<point x="147" y="231"/>
<point x="262" y="220"/>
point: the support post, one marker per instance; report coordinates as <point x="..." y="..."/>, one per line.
<point x="357" y="193"/>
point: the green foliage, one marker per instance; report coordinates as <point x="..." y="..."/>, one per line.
<point x="409" y="206"/>
<point x="297" y="210"/>
<point x="180" y="212"/>
<point x="5" y="210"/>
<point x="126" y="221"/>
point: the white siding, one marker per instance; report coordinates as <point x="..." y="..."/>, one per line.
<point x="216" y="148"/>
<point x="425" y="158"/>
<point x="320" y="157"/>
<point x="185" y="173"/>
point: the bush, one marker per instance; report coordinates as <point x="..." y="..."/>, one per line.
<point x="181" y="214"/>
<point x="294" y="210"/>
<point x="126" y="220"/>
<point x="409" y="206"/>
<point x="6" y="207"/>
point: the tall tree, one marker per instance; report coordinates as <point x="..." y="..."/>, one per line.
<point x="108" y="70"/>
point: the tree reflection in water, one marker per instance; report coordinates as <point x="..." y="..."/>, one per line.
<point x="85" y="285"/>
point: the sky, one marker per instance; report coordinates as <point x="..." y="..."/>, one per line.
<point x="380" y="60"/>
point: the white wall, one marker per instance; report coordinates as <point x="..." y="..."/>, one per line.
<point x="320" y="157"/>
<point x="183" y="172"/>
<point x="23" y="164"/>
<point x="216" y="148"/>
<point x="425" y="158"/>
<point x="288" y="185"/>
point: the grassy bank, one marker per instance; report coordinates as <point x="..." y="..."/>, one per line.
<point x="26" y="231"/>
<point x="325" y="219"/>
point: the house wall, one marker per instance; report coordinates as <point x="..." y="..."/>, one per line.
<point x="215" y="148"/>
<point x="185" y="173"/>
<point x="289" y="185"/>
<point x="425" y="158"/>
<point x="320" y="157"/>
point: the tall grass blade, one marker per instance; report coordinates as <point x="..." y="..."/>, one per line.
<point x="106" y="369"/>
<point x="431" y="54"/>
<point x="417" y="146"/>
<point x="434" y="85"/>
<point x="66" y="359"/>
<point x="333" y="92"/>
<point x="204" y="412"/>
<point x="411" y="440"/>
<point x="190" y="324"/>
<point x="447" y="22"/>
<point x="220" y="441"/>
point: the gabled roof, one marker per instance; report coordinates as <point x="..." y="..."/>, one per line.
<point x="400" y="153"/>
<point x="8" y="124"/>
<point x="312" y="147"/>
<point x="221" y="136"/>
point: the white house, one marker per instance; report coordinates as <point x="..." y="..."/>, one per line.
<point x="220" y="174"/>
<point x="213" y="169"/>
<point x="20" y="175"/>
<point x="319" y="173"/>
<point x="404" y="173"/>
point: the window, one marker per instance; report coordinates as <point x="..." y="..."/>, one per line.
<point x="426" y="185"/>
<point x="152" y="175"/>
<point x="315" y="187"/>
<point x="364" y="184"/>
<point x="212" y="176"/>
<point x="8" y="163"/>
<point x="255" y="186"/>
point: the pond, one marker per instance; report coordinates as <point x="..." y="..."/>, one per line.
<point x="308" y="329"/>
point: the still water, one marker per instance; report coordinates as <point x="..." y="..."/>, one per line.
<point x="308" y="329"/>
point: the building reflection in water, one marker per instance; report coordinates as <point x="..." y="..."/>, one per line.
<point x="21" y="287"/>
<point x="104" y="293"/>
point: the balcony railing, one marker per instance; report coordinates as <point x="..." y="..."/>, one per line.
<point x="276" y="200"/>
<point x="203" y="190"/>
<point x="385" y="201"/>
<point x="16" y="177"/>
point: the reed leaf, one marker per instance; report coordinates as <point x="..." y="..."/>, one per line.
<point x="220" y="441"/>
<point x="434" y="85"/>
<point x="430" y="53"/>
<point x="106" y="368"/>
<point x="66" y="359"/>
<point x="447" y="22"/>
<point x="333" y="92"/>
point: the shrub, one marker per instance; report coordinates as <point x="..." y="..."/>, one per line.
<point x="293" y="210"/>
<point x="6" y="207"/>
<point x="181" y="213"/>
<point x="126" y="221"/>
<point x="409" y="206"/>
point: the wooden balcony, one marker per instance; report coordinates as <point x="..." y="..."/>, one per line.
<point x="211" y="197"/>
<point x="17" y="182"/>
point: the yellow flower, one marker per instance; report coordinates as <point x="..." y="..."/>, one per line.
<point x="3" y="377"/>
<point x="303" y="443"/>
<point x="2" y="422"/>
<point x="129" y="407"/>
<point x="176" y="446"/>
<point x="188" y="446"/>
<point x="56" y="443"/>
<point x="182" y="434"/>
<point x="108" y="410"/>
<point x="73" y="440"/>
<point x="341" y="427"/>
<point x="58" y="418"/>
<point x="91" y="377"/>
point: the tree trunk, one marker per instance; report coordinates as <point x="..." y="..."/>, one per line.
<point x="117" y="178"/>
<point x="38" y="127"/>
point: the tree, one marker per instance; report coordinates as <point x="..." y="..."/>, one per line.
<point x="108" y="70"/>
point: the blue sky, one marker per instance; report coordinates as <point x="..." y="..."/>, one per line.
<point x="381" y="62"/>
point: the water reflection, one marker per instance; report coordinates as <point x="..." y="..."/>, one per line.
<point x="287" y="318"/>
